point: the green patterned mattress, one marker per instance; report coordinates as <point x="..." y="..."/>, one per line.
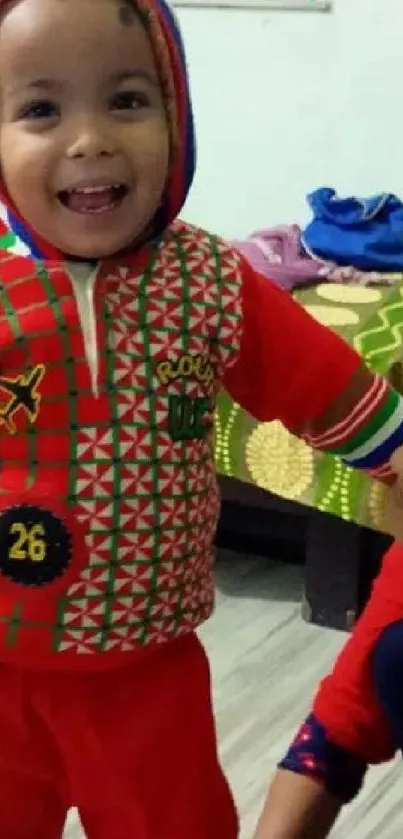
<point x="265" y="454"/>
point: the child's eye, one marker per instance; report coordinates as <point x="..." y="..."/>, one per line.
<point x="130" y="101"/>
<point x="40" y="109"/>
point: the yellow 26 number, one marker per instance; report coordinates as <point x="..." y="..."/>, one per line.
<point x="29" y="542"/>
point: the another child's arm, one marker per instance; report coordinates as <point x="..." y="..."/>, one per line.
<point x="293" y="369"/>
<point x="314" y="780"/>
<point x="349" y="726"/>
<point x="297" y="808"/>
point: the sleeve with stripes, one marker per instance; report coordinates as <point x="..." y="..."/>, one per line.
<point x="292" y="368"/>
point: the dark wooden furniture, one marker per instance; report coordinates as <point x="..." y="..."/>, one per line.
<point x="340" y="559"/>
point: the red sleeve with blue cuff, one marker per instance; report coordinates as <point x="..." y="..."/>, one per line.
<point x="293" y="369"/>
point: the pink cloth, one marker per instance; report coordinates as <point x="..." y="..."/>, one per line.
<point x="279" y="255"/>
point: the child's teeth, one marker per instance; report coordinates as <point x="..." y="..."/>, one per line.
<point x="90" y="190"/>
<point x="94" y="199"/>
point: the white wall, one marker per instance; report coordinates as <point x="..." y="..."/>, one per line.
<point x="286" y="102"/>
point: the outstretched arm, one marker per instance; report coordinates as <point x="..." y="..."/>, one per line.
<point x="293" y="369"/>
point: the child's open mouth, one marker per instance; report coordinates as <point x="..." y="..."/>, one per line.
<point x="93" y="200"/>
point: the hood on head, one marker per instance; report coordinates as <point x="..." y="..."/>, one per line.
<point x="163" y="28"/>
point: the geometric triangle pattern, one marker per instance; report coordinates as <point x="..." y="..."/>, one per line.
<point x="148" y="502"/>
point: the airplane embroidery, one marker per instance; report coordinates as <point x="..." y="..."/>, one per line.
<point x="23" y="395"/>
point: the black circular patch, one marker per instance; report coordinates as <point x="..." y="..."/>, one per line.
<point x="35" y="545"/>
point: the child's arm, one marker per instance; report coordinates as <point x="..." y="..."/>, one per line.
<point x="293" y="369"/>
<point x="297" y="808"/>
<point x="348" y="727"/>
<point x="312" y="783"/>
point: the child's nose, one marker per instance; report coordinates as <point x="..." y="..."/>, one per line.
<point x="91" y="139"/>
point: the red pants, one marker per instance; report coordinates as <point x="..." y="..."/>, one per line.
<point x="134" y="749"/>
<point x="347" y="704"/>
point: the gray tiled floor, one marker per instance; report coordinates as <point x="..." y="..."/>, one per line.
<point x="258" y="643"/>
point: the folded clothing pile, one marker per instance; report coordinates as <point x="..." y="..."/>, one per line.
<point x="349" y="240"/>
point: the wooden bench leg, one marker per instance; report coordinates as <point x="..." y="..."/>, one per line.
<point x="341" y="561"/>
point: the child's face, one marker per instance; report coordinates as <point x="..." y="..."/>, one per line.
<point x="84" y="144"/>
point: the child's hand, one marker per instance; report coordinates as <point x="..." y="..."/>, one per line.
<point x="397" y="462"/>
<point x="394" y="501"/>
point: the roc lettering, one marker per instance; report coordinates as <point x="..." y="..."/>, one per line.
<point x="186" y="367"/>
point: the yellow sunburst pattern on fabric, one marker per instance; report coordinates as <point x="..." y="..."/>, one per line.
<point x="279" y="462"/>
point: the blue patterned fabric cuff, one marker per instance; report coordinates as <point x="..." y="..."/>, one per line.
<point x="314" y="755"/>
